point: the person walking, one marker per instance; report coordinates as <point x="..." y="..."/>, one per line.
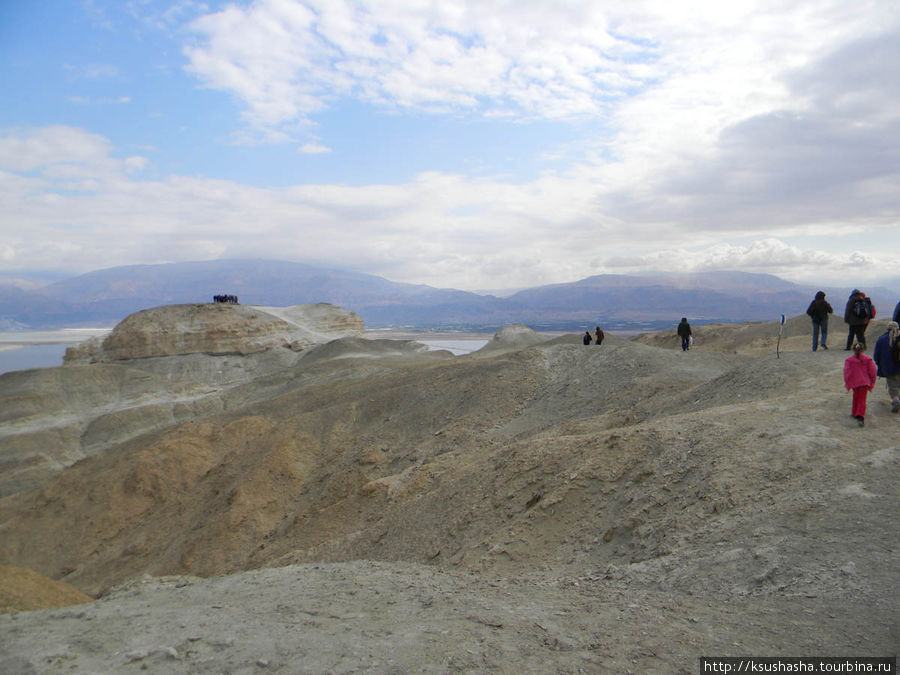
<point x="586" y="339"/>
<point x="818" y="311"/>
<point x="857" y="314"/>
<point x="684" y="332"/>
<point x="859" y="376"/>
<point x="887" y="360"/>
<point x="600" y="335"/>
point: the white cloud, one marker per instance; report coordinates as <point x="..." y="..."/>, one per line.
<point x="313" y="149"/>
<point x="87" y="100"/>
<point x="288" y="59"/>
<point x="52" y="145"/>
<point x="92" y="71"/>
<point x="709" y="123"/>
<point x="77" y="208"/>
<point x="766" y="256"/>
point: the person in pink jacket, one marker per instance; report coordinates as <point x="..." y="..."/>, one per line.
<point x="859" y="376"/>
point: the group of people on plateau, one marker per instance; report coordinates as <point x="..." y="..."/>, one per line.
<point x="587" y="339"/>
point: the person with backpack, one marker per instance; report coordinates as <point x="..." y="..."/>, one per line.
<point x="684" y="332"/>
<point x="857" y="314"/>
<point x="586" y="339"/>
<point x="818" y="311"/>
<point x="600" y="335"/>
<point x="859" y="377"/>
<point x="887" y="359"/>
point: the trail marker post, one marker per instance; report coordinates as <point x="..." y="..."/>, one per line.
<point x="780" y="334"/>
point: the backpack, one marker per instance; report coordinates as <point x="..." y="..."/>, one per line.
<point x="861" y="308"/>
<point x="895" y="351"/>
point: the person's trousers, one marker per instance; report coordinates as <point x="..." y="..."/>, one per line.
<point x="893" y="386"/>
<point x="858" y="332"/>
<point x="858" y="408"/>
<point x="817" y="327"/>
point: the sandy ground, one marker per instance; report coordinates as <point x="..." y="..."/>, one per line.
<point x="557" y="508"/>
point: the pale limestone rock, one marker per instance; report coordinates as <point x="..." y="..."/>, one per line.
<point x="174" y="330"/>
<point x="512" y="337"/>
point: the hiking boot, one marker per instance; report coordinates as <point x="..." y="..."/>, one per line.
<point x="895" y="406"/>
<point x="824" y="347"/>
<point x="861" y="421"/>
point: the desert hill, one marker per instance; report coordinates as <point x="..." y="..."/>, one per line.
<point x="539" y="505"/>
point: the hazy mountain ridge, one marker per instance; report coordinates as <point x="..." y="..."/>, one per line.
<point x="106" y="296"/>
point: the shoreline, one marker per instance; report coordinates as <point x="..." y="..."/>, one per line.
<point x="62" y="336"/>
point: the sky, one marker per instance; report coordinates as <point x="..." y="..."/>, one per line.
<point x="495" y="144"/>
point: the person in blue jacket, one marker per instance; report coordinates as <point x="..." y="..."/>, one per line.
<point x="885" y="356"/>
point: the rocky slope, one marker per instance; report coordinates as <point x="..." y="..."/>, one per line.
<point x="155" y="369"/>
<point x="541" y="507"/>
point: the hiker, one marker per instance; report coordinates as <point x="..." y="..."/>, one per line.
<point x="684" y="332"/>
<point x="896" y="317"/>
<point x="818" y="311"/>
<point x="887" y="359"/>
<point x="859" y="375"/>
<point x="587" y="337"/>
<point x="857" y="314"/>
<point x="600" y="335"/>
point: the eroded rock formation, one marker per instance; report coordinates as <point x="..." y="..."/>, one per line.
<point x="218" y="329"/>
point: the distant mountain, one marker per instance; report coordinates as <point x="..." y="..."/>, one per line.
<point x="106" y="296"/>
<point x="620" y="302"/>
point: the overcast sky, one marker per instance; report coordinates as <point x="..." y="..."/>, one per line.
<point x="476" y="145"/>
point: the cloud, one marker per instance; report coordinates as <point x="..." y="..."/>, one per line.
<point x="313" y="149"/>
<point x="707" y="124"/>
<point x="76" y="207"/>
<point x="34" y="148"/>
<point x="793" y="141"/>
<point x="770" y="256"/>
<point x="92" y="71"/>
<point x="287" y="60"/>
<point x="87" y="100"/>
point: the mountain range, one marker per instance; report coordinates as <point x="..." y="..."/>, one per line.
<point x="623" y="302"/>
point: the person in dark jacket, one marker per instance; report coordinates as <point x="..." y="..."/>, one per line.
<point x="856" y="320"/>
<point x="684" y="332"/>
<point x="600" y="335"/>
<point x="888" y="367"/>
<point x="818" y="310"/>
<point x="587" y="338"/>
<point x="896" y="317"/>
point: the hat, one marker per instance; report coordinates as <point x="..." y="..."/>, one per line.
<point x="893" y="325"/>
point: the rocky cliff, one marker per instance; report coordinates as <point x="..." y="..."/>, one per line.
<point x="217" y="329"/>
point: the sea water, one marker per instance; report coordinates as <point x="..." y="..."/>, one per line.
<point x="457" y="347"/>
<point x="22" y="350"/>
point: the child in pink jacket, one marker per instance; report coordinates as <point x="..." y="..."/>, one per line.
<point x="859" y="375"/>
